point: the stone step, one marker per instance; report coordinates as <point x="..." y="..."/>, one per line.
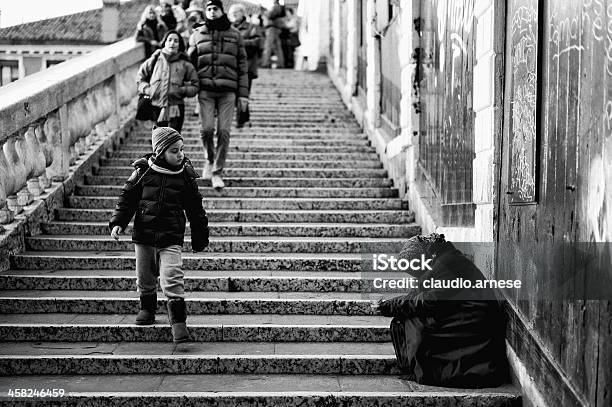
<point x="264" y="111"/>
<point x="229" y="390"/>
<point x="344" y="230"/>
<point x="275" y="124"/>
<point x="124" y="260"/>
<point x="280" y="149"/>
<point x="226" y="244"/>
<point x="272" y="140"/>
<point x="192" y="134"/>
<point x="246" y="215"/>
<point x="126" y="170"/>
<point x="13" y="350"/>
<point x="197" y="303"/>
<point x="85" y="202"/>
<point x="198" y="363"/>
<point x="198" y="153"/>
<point x="226" y="328"/>
<point x="275" y="132"/>
<point x="195" y="280"/>
<point x="260" y="182"/>
<point x="253" y="164"/>
<point x="259" y="192"/>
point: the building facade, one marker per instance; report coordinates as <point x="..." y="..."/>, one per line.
<point x="31" y="47"/>
<point x="494" y="120"/>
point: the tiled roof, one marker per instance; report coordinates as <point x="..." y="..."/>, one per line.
<point x="78" y="28"/>
<point x="85" y="27"/>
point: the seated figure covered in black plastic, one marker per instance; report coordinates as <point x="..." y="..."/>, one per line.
<point x="451" y="337"/>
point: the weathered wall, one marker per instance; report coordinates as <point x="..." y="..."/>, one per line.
<point x="555" y="191"/>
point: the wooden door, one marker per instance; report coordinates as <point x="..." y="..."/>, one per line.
<point x="555" y="130"/>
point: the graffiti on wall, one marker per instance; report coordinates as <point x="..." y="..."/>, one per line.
<point x="524" y="36"/>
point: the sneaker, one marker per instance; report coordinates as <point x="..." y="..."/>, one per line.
<point x="217" y="182"/>
<point x="207" y="171"/>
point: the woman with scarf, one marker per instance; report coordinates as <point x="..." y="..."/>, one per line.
<point x="168" y="77"/>
<point x="150" y="30"/>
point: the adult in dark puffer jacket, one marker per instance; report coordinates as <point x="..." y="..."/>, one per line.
<point x="451" y="337"/>
<point x="217" y="51"/>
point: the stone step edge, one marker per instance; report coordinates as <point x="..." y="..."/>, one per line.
<point x="405" y="398"/>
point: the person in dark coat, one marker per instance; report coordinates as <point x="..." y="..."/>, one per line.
<point x="217" y="51"/>
<point x="159" y="192"/>
<point x="451" y="337"/>
<point x="252" y="45"/>
<point x="150" y="30"/>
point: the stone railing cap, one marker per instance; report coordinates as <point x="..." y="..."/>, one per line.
<point x="28" y="99"/>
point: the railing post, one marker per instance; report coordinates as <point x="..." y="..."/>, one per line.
<point x="61" y="145"/>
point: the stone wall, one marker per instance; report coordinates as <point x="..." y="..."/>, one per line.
<point x="54" y="126"/>
<point x="399" y="154"/>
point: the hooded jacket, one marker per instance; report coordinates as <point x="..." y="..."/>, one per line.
<point x="172" y="79"/>
<point x="463" y="329"/>
<point x="160" y="198"/>
<point x="217" y="51"/>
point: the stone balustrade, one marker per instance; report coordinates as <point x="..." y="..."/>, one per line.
<point x="50" y="119"/>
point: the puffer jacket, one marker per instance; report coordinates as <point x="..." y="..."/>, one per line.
<point x="220" y="59"/>
<point x="173" y="79"/>
<point x="160" y="201"/>
<point x="463" y="329"/>
<point x="252" y="44"/>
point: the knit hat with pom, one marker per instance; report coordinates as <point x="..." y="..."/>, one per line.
<point x="162" y="138"/>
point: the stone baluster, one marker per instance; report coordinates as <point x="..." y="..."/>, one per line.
<point x="26" y="157"/>
<point x="111" y="92"/>
<point x="6" y="186"/>
<point x="58" y="133"/>
<point x="47" y="149"/>
<point x="101" y="113"/>
<point x="89" y="134"/>
<point x="40" y="162"/>
<point x="76" y="124"/>
<point x="16" y="199"/>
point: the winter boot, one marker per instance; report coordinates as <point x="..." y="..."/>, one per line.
<point x="177" y="316"/>
<point x="148" y="305"/>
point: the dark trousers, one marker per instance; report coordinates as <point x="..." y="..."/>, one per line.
<point x="244" y="116"/>
<point x="176" y="122"/>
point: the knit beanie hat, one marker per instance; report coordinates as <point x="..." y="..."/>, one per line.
<point x="162" y="138"/>
<point x="217" y="3"/>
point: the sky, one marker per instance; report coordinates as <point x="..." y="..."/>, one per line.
<point x="14" y="12"/>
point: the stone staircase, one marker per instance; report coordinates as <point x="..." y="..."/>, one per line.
<point x="275" y="306"/>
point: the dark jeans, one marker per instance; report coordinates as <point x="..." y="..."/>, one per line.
<point x="176" y="122"/>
